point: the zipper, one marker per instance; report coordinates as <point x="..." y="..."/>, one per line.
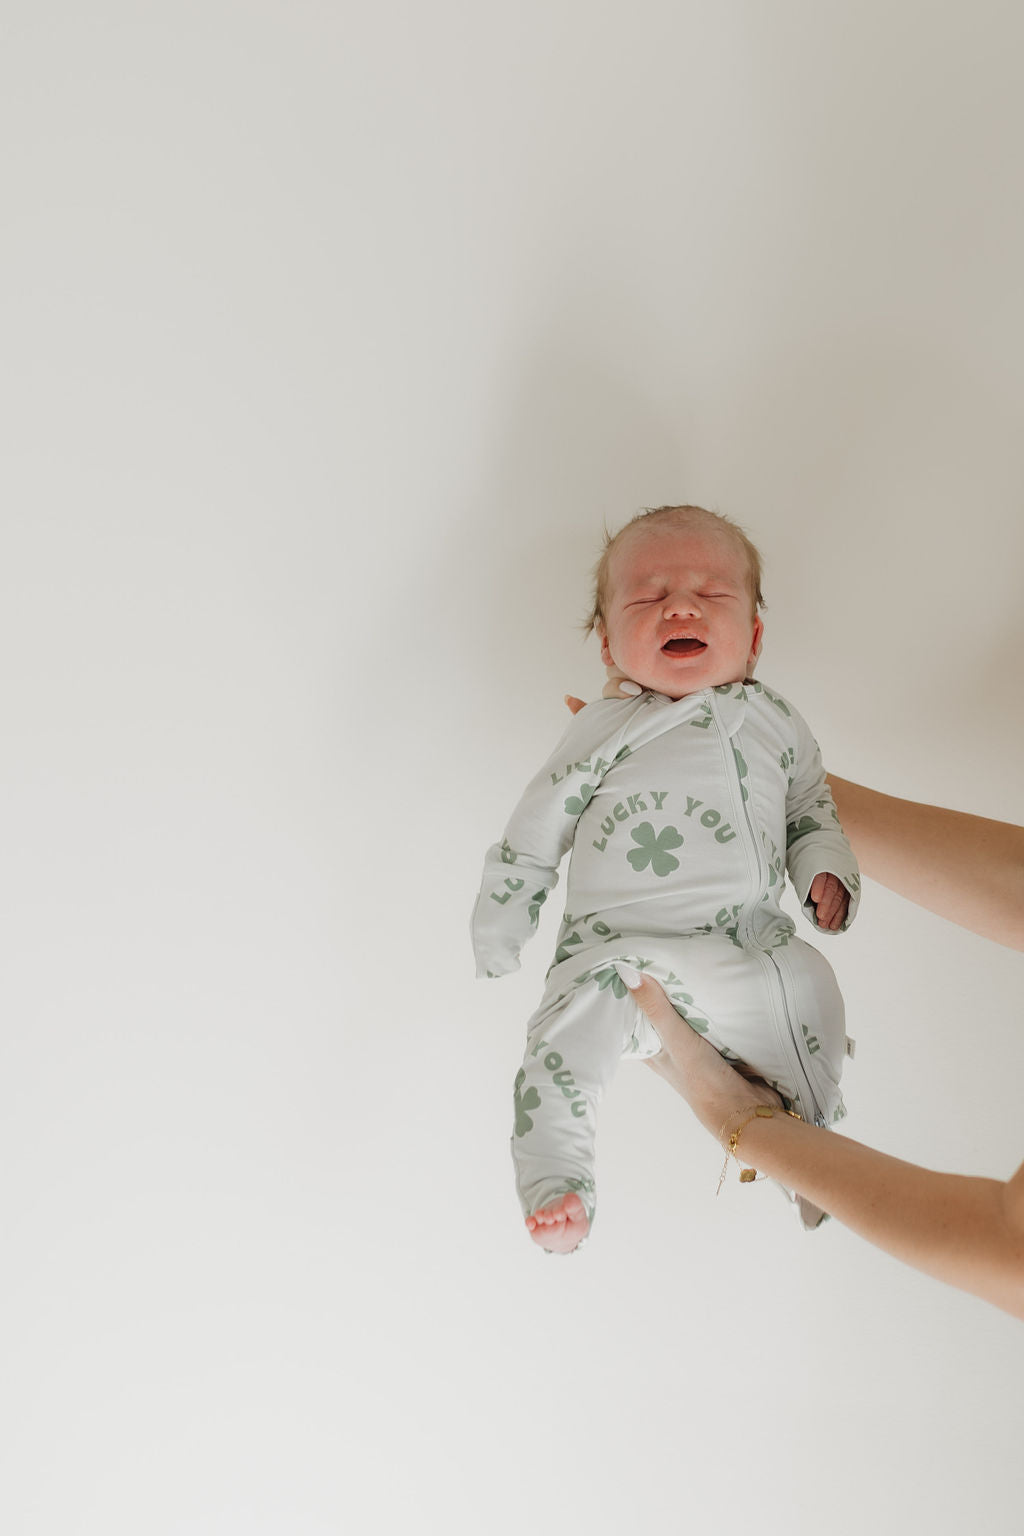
<point x="741" y="817"/>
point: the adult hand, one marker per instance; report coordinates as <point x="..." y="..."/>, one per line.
<point x="618" y="686"/>
<point x="714" y="1090"/>
<point x="968" y="1232"/>
<point x="831" y="901"/>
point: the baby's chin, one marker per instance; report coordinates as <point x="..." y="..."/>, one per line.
<point x="662" y="681"/>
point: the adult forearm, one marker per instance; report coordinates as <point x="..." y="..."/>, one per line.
<point x="964" y="1231"/>
<point x="968" y="869"/>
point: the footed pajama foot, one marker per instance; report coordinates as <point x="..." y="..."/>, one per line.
<point x="561" y="1226"/>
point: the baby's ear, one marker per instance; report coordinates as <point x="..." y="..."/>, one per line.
<point x="606" y="655"/>
<point x="756" y="643"/>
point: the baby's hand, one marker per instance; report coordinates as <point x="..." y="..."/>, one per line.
<point x="831" y="901"/>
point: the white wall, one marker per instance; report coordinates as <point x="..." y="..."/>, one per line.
<point x="330" y="335"/>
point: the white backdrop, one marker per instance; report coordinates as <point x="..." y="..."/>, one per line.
<point x="330" y="335"/>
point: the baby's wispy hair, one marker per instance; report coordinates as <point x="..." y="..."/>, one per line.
<point x="684" y="516"/>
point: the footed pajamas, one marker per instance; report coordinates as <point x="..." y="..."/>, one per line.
<point x="683" y="816"/>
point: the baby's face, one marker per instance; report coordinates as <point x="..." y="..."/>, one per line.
<point x="679" y="612"/>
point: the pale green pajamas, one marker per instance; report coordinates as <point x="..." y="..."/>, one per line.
<point x="683" y="816"/>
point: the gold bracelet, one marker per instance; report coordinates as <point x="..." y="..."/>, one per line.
<point x="757" y="1112"/>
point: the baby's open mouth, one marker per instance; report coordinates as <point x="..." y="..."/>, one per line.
<point x="681" y="647"/>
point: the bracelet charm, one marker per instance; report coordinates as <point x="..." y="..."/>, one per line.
<point x="756" y="1112"/>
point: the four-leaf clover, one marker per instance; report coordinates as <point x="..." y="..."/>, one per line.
<point x="654" y="849"/>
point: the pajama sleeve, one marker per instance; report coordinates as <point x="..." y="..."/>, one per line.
<point x="815" y="841"/>
<point x="521" y="869"/>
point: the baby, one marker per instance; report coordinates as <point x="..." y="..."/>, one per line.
<point x="684" y="807"/>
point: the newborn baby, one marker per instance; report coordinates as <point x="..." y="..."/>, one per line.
<point x="683" y="807"/>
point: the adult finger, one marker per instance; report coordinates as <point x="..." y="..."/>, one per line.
<point x="682" y="1047"/>
<point x="650" y="996"/>
<point x="620" y="687"/>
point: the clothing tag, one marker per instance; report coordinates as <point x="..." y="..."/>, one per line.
<point x="851" y="1047"/>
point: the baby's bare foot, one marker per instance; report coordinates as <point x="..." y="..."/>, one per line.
<point x="561" y="1226"/>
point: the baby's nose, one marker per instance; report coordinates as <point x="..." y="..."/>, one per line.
<point x="681" y="603"/>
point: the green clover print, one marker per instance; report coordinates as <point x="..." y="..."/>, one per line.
<point x="779" y="703"/>
<point x="773" y="859"/>
<point x="798" y="829"/>
<point x="681" y="1002"/>
<point x="524" y="1101"/>
<point x="654" y="850"/>
<point x="610" y="977"/>
<point x="577" y="804"/>
<point x="741" y="769"/>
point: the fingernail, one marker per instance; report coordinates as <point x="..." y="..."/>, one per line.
<point x="631" y="688"/>
<point x="630" y="977"/>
